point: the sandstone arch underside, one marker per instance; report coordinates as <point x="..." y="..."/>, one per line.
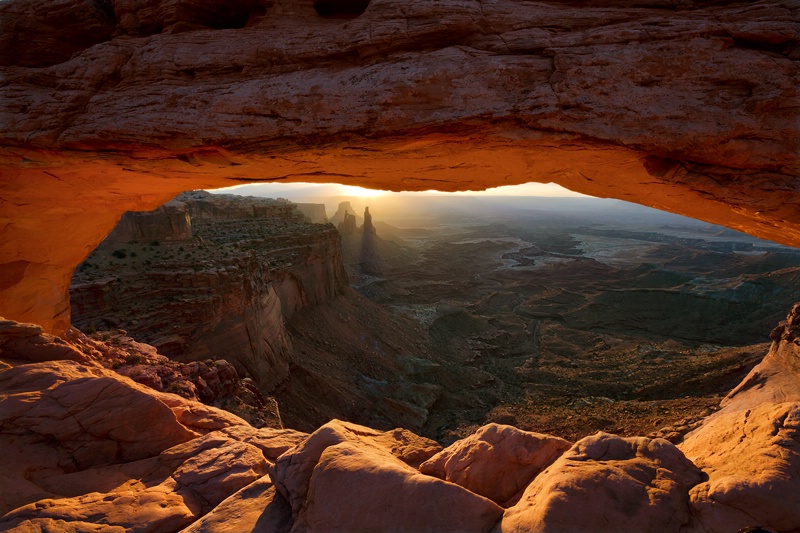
<point x="690" y="107"/>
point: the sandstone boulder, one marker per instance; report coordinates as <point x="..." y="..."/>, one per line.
<point x="93" y="415"/>
<point x="497" y="461"/>
<point x="155" y="509"/>
<point x="157" y="494"/>
<point x="257" y="507"/>
<point x="362" y="488"/>
<point x="752" y="460"/>
<point x="211" y="468"/>
<point x="606" y="483"/>
<point x="292" y="471"/>
<point x="86" y="446"/>
<point x="29" y="342"/>
<point x="272" y="442"/>
<point x="198" y="417"/>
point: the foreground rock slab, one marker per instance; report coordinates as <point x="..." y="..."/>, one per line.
<point x="293" y="470"/>
<point x="366" y="489"/>
<point x="750" y="449"/>
<point x="88" y="450"/>
<point x="606" y="483"/>
<point x="257" y="507"/>
<point x="497" y="461"/>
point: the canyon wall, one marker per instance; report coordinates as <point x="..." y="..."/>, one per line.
<point x="225" y="293"/>
<point x="170" y="222"/>
<point x="109" y="107"/>
<point x="315" y="213"/>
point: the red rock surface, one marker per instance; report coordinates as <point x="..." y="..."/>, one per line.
<point x="86" y="449"/>
<point x="358" y="488"/>
<point x="690" y="110"/>
<point x="750" y="449"/>
<point x="293" y="470"/>
<point x="497" y="461"/>
<point x="608" y="484"/>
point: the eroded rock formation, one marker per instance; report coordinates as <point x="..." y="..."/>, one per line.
<point x="88" y="450"/>
<point x="116" y="106"/>
<point x="225" y="290"/>
<point x="258" y="287"/>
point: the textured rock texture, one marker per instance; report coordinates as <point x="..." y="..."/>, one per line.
<point x="497" y="461"/>
<point x="366" y="489"/>
<point x="293" y="471"/>
<point x="750" y="449"/>
<point x="87" y="449"/>
<point x="225" y="290"/>
<point x="90" y="449"/>
<point x="608" y="484"/>
<point x="115" y="105"/>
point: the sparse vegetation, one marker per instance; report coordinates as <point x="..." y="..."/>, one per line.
<point x="133" y="359"/>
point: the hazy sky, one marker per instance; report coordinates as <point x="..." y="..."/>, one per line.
<point x="313" y="190"/>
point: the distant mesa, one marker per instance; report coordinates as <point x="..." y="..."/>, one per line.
<point x="344" y="208"/>
<point x="315" y="213"/>
<point x="170" y="222"/>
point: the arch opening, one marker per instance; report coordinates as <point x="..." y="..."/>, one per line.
<point x="577" y="301"/>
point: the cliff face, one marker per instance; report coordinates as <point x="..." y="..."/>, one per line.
<point x="251" y="264"/>
<point x="170" y="222"/>
<point x="112" y="106"/>
<point x="315" y="213"/>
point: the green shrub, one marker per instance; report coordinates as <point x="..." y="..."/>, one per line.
<point x="133" y="359"/>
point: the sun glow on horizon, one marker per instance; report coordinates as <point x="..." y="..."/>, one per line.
<point x="361" y="192"/>
<point x="279" y="189"/>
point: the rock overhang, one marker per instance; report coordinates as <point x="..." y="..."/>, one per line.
<point x="692" y="110"/>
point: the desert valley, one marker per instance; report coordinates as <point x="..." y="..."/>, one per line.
<point x="184" y="350"/>
<point x="558" y="315"/>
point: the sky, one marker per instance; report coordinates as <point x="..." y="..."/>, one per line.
<point x="315" y="190"/>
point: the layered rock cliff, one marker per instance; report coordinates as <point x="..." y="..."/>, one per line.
<point x="111" y="107"/>
<point x="221" y="284"/>
<point x="257" y="285"/>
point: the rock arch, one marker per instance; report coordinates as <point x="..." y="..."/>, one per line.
<point x="690" y="110"/>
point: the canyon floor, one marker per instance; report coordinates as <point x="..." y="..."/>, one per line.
<point x="562" y="316"/>
<point x="569" y="316"/>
